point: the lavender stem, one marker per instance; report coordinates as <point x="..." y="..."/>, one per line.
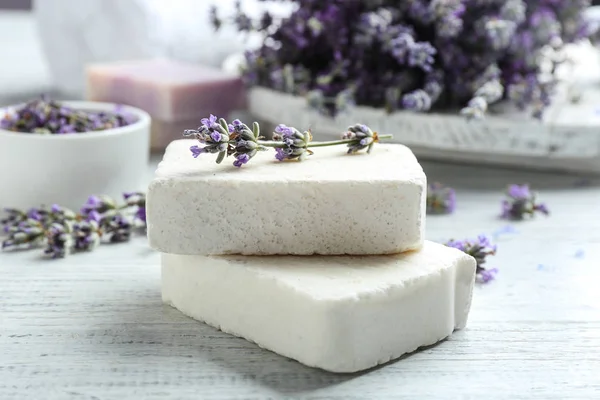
<point x="281" y="145"/>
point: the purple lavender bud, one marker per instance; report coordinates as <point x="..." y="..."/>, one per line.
<point x="197" y="150"/>
<point x="59" y="241"/>
<point x="284" y="131"/>
<point x="486" y="275"/>
<point x="209" y="122"/>
<point x="449" y="27"/>
<point x="140" y="214"/>
<point x="519" y="192"/>
<point x="421" y="55"/>
<point x="479" y="249"/>
<point x="100" y="204"/>
<point x="94" y="216"/>
<point x="280" y="154"/>
<point x="216" y="136"/>
<point x="542" y="208"/>
<point x="241" y="159"/>
<point x="440" y="199"/>
<point x="417" y="100"/>
<point x="499" y="32"/>
<point x="419" y="11"/>
<point x="521" y="202"/>
<point x="401" y="46"/>
<point x="35" y="214"/>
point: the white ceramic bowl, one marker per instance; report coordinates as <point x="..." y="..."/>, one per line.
<point x="65" y="169"/>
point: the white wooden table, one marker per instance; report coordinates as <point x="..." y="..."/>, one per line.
<point x="92" y="326"/>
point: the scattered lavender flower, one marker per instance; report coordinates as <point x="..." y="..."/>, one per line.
<point x="51" y="117"/>
<point x="62" y="231"/>
<point x="386" y="44"/>
<point x="59" y="241"/>
<point x="98" y="204"/>
<point x="521" y="202"/>
<point x="28" y="233"/>
<point x="479" y="249"/>
<point x="117" y="228"/>
<point x="289" y="143"/>
<point x="86" y="234"/>
<point x="137" y="200"/>
<point x="440" y="199"/>
<point x="13" y="219"/>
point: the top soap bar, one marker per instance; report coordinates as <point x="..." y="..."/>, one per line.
<point x="330" y="204"/>
<point x="167" y="90"/>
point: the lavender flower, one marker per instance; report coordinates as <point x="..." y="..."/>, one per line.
<point x="521" y="202"/>
<point x="59" y="241"/>
<point x="51" y="117"/>
<point x="390" y="48"/>
<point x="479" y="249"/>
<point x="246" y="142"/>
<point x="440" y="199"/>
<point x="99" y="204"/>
<point x="363" y="138"/>
<point x="28" y="233"/>
<point x="86" y="235"/>
<point x="62" y="231"/>
<point x="13" y="219"/>
<point x="138" y="201"/>
<point x="117" y="228"/>
<point x="214" y="135"/>
<point x="418" y="100"/>
<point x="295" y="143"/>
<point x="421" y="55"/>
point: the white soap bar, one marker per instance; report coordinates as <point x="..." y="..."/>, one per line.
<point x="332" y="203"/>
<point x="341" y="314"/>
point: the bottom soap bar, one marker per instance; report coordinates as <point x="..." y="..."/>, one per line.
<point x="338" y="313"/>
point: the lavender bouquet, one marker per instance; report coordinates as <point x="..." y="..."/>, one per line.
<point x="416" y="55"/>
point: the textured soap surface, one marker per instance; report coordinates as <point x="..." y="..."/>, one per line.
<point x="332" y="203"/>
<point x="341" y="314"/>
<point x="167" y="90"/>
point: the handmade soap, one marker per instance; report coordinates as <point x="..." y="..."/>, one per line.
<point x="331" y="203"/>
<point x="341" y="314"/>
<point x="169" y="91"/>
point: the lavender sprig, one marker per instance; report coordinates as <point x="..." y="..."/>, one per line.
<point x="51" y="117"/>
<point x="440" y="199"/>
<point x="62" y="231"/>
<point x="521" y="202"/>
<point x="480" y="249"/>
<point x="242" y="142"/>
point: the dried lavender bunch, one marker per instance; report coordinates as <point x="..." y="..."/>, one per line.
<point x="242" y="142"/>
<point x="479" y="249"/>
<point x="414" y="54"/>
<point x="440" y="199"/>
<point x="63" y="231"/>
<point x="521" y="202"/>
<point x="51" y="117"/>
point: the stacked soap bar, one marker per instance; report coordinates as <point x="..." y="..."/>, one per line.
<point x="175" y="94"/>
<point x="323" y="261"/>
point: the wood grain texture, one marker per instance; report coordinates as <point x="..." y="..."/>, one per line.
<point x="92" y="326"/>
